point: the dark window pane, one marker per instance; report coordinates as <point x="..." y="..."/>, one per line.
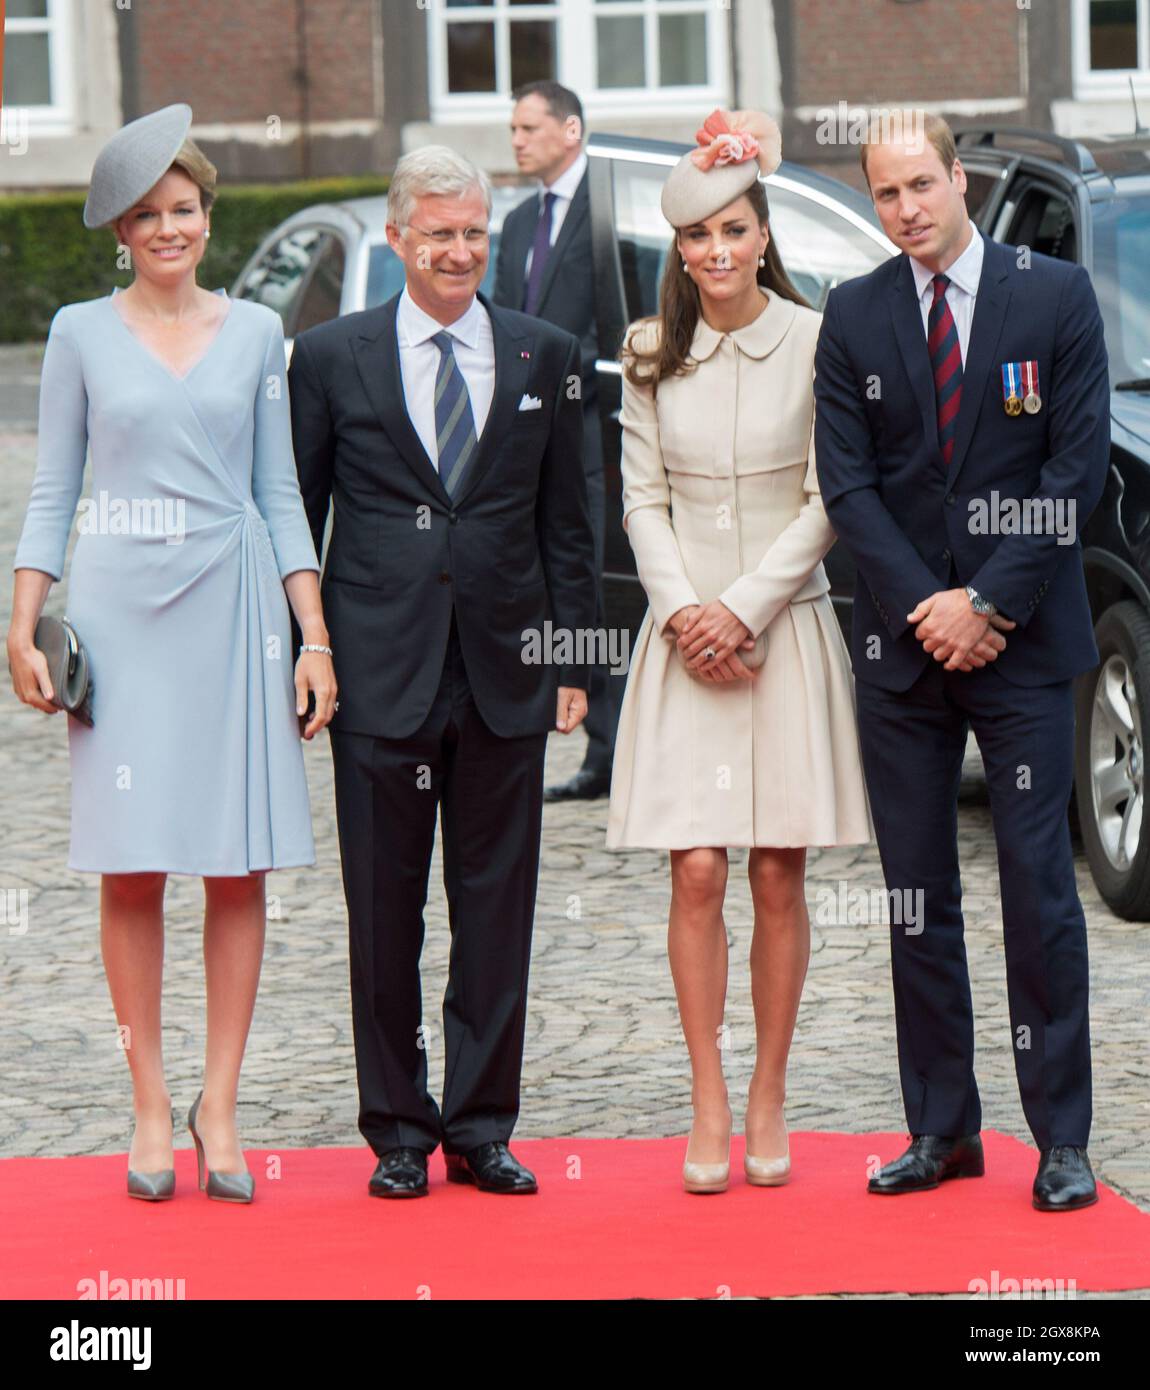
<point x="1114" y="34"/>
<point x="979" y="187"/>
<point x="27" y="77"/>
<point x="471" y="57"/>
<point x="27" y="9"/>
<point x="532" y="51"/>
<point x="682" y="50"/>
<point x="320" y="300"/>
<point x="620" y="44"/>
<point x="459" y="4"/>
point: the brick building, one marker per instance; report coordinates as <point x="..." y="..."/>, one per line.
<point x="284" y="88"/>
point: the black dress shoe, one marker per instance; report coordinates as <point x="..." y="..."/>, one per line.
<point x="400" y="1173"/>
<point x="931" y="1159"/>
<point x="586" y="785"/>
<point x="1065" y="1180"/>
<point x="492" y="1168"/>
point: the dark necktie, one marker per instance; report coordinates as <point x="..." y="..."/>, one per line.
<point x="454" y="422"/>
<point x="946" y="363"/>
<point x="540" y="250"/>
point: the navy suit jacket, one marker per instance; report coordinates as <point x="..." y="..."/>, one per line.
<point x="512" y="549"/>
<point x="906" y="519"/>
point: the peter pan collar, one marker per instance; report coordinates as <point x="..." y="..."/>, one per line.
<point x="757" y="338"/>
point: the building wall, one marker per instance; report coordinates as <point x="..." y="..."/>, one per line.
<point x="280" y="89"/>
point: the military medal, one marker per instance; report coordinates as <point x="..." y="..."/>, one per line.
<point x="1011" y="402"/>
<point x="1032" y="401"/>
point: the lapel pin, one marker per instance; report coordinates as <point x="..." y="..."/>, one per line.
<point x="526" y="356"/>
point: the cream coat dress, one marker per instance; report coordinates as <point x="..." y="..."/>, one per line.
<point x="721" y="500"/>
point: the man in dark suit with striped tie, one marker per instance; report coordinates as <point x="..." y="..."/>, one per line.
<point x="962" y="441"/>
<point x="441" y="428"/>
<point x="545" y="268"/>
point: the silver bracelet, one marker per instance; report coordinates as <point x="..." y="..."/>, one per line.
<point x="311" y="647"/>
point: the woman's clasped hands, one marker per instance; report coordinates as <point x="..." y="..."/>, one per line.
<point x="702" y="629"/>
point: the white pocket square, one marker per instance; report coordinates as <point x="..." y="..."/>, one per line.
<point x="530" y="403"/>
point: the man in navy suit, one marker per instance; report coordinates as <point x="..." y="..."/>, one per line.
<point x="962" y="440"/>
<point x="440" y="430"/>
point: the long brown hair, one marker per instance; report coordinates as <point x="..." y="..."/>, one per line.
<point x="679" y="310"/>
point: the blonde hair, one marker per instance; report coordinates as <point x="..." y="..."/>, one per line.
<point x="936" y="130"/>
<point x="191" y="160"/>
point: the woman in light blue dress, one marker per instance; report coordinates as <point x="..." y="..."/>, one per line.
<point x="191" y="544"/>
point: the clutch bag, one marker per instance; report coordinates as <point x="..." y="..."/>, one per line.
<point x="67" y="667"/>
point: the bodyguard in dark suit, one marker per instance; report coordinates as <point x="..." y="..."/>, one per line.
<point x="544" y="267"/>
<point x="441" y="429"/>
<point x="955" y="384"/>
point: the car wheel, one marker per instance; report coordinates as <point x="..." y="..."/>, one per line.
<point x="1109" y="760"/>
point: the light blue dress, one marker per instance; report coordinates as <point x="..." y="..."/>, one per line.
<point x="194" y="764"/>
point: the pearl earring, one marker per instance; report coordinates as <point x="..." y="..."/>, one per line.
<point x="208" y="232"/>
<point x="684" y="265"/>
<point x="762" y="260"/>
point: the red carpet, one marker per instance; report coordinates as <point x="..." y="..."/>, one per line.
<point x="610" y="1221"/>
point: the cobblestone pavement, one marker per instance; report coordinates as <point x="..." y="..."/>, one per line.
<point x="604" y="1053"/>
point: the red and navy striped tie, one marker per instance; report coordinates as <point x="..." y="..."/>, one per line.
<point x="946" y="363"/>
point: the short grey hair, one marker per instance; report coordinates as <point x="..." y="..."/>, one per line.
<point x="433" y="170"/>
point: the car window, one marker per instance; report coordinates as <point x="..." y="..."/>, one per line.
<point x="818" y="245"/>
<point x="820" y="248"/>
<point x="385" y="273"/>
<point x="321" y="299"/>
<point x="279" y="275"/>
<point x="1042" y="218"/>
<point x="980" y="184"/>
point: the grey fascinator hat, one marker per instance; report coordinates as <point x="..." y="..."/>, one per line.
<point x="725" y="164"/>
<point x="135" y="159"/>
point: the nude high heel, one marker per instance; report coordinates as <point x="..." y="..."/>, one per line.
<point x="768" y="1172"/>
<point x="224" y="1187"/>
<point x="708" y="1177"/>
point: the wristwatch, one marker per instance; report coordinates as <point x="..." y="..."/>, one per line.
<point x="982" y="606"/>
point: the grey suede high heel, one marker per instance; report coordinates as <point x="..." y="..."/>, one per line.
<point x="152" y="1187"/>
<point x="224" y="1187"/>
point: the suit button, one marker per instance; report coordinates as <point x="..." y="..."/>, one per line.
<point x="445" y="578"/>
<point x="950" y="499"/>
<point x="454" y="518"/>
<point x="946" y="554"/>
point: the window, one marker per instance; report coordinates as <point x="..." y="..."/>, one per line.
<point x="1043" y="219"/>
<point x="280" y="273"/>
<point x="1111" y="43"/>
<point x="36" y="59"/>
<point x="640" y="54"/>
<point x="321" y="299"/>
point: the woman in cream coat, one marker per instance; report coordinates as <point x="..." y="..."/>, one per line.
<point x="738" y="724"/>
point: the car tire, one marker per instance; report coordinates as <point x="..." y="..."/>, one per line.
<point x="1109" y="752"/>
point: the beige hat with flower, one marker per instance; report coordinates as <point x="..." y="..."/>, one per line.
<point x="724" y="166"/>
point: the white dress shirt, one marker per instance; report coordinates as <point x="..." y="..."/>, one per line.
<point x="474" y="348"/>
<point x="564" y="189"/>
<point x="960" y="293"/>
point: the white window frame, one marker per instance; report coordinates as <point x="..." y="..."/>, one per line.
<point x="1111" y="82"/>
<point x="576" y="50"/>
<point x="58" y="26"/>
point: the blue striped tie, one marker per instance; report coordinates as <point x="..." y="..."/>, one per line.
<point x="454" y="422"/>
